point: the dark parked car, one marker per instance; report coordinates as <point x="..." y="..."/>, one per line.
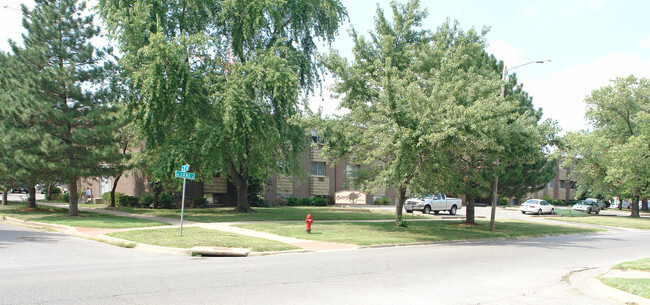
<point x="20" y="190"/>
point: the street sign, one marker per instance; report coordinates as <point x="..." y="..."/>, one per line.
<point x="185" y="175"/>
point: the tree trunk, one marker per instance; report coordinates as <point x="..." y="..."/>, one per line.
<point x="399" y="205"/>
<point x="469" y="218"/>
<point x="644" y="204"/>
<point x="635" y="206"/>
<point x="117" y="178"/>
<point x="5" y="196"/>
<point x="48" y="191"/>
<point x="31" y="190"/>
<point x="73" y="201"/>
<point x="241" y="184"/>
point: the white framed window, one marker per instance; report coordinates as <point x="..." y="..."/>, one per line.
<point x="317" y="168"/>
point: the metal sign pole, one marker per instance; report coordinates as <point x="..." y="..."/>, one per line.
<point x="183" y="206"/>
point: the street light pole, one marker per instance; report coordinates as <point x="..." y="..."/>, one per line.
<point x="495" y="190"/>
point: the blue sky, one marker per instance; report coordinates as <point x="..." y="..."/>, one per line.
<point x="589" y="42"/>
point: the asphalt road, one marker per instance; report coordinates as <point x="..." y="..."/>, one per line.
<point x="40" y="267"/>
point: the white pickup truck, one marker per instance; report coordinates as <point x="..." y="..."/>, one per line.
<point x="433" y="202"/>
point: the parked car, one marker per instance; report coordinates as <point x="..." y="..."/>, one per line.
<point x="587" y="206"/>
<point x="600" y="203"/>
<point x="537" y="206"/>
<point x="433" y="202"/>
<point x="20" y="190"/>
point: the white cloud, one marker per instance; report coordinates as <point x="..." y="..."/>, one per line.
<point x="644" y="43"/>
<point x="510" y="54"/>
<point x="562" y="95"/>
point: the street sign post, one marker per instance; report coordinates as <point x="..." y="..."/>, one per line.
<point x="184" y="175"/>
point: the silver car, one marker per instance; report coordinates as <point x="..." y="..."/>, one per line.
<point x="587" y="206"/>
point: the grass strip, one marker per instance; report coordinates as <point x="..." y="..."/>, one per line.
<point x="60" y="216"/>
<point x="641" y="264"/>
<point x="612" y="221"/>
<point x="570" y="213"/>
<point x="269" y="214"/>
<point x="193" y="236"/>
<point x="640" y="287"/>
<point x="385" y="233"/>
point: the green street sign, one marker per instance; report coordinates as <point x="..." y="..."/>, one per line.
<point x="185" y="175"/>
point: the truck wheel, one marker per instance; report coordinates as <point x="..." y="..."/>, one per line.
<point x="427" y="209"/>
<point x="597" y="211"/>
<point x="588" y="211"/>
<point x="452" y="211"/>
<point x="539" y="212"/>
<point x="407" y="211"/>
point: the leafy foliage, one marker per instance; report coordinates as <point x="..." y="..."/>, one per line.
<point x="217" y="83"/>
<point x="613" y="159"/>
<point x="425" y="112"/>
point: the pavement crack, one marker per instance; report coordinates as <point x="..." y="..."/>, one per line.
<point x="567" y="277"/>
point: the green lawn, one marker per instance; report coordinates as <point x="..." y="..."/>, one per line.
<point x="200" y="237"/>
<point x="641" y="264"/>
<point x="60" y="216"/>
<point x="385" y="233"/>
<point x="640" y="287"/>
<point x="612" y="221"/>
<point x="268" y="214"/>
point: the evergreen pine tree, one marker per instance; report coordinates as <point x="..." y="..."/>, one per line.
<point x="62" y="112"/>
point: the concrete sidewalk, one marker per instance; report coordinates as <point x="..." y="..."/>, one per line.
<point x="309" y="245"/>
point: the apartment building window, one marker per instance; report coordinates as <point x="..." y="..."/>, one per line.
<point x="317" y="168"/>
<point x="562" y="184"/>
<point x="551" y="184"/>
<point x="572" y="185"/>
<point x="351" y="171"/>
<point x="315" y="138"/>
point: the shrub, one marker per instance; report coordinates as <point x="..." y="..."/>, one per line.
<point x="146" y="200"/>
<point x="382" y="201"/>
<point x="293" y="201"/>
<point x="558" y="202"/>
<point x="199" y="202"/>
<point x="166" y="201"/>
<point x="547" y="198"/>
<point x="65" y="197"/>
<point x="318" y="201"/>
<point x="502" y="201"/>
<point x="304" y="202"/>
<point x="278" y="202"/>
<point x="127" y="201"/>
<point x="330" y="200"/>
<point x="55" y="191"/>
<point x="107" y="197"/>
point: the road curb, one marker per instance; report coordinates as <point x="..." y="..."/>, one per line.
<point x="587" y="281"/>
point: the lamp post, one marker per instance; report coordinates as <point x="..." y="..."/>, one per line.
<point x="504" y="77"/>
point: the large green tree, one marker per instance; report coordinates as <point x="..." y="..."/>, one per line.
<point x="613" y="159"/>
<point x="61" y="111"/>
<point x="219" y="81"/>
<point x="21" y="151"/>
<point x="425" y="112"/>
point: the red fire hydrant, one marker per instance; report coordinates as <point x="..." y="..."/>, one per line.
<point x="309" y="221"/>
